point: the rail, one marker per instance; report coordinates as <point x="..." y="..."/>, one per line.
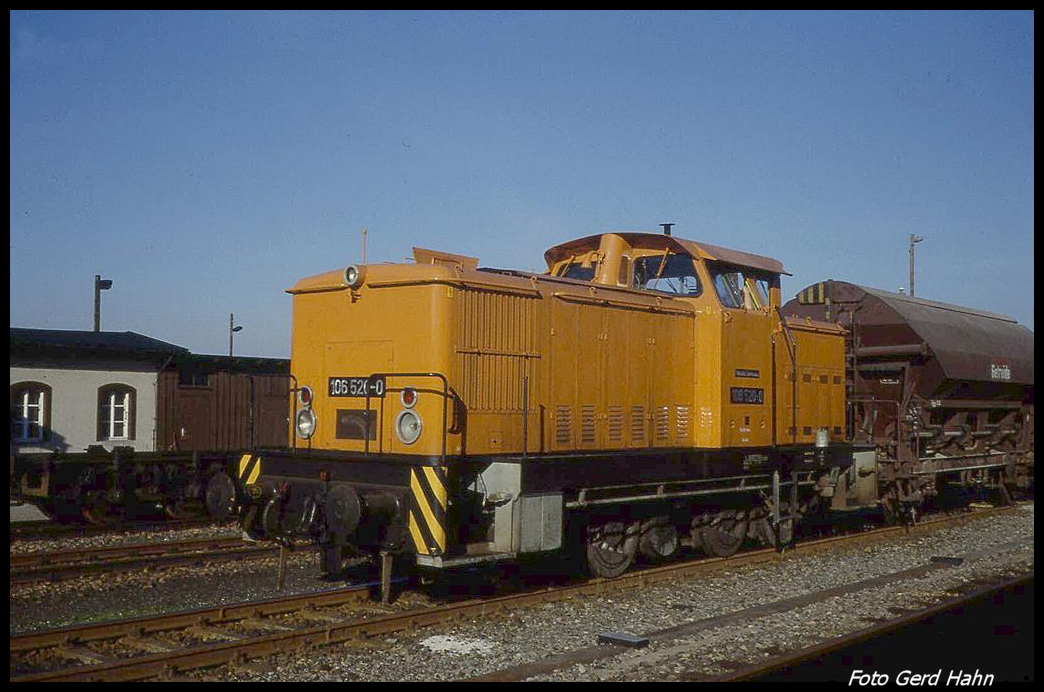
<point x="52" y="566"/>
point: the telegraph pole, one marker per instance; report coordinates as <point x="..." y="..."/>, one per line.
<point x="100" y="285"/>
<point x="913" y="239"/>
<point x="231" y="330"/>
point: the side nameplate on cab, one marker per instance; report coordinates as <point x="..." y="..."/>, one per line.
<point x="357" y="386"/>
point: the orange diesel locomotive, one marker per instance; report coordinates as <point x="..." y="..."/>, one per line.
<point x="644" y="392"/>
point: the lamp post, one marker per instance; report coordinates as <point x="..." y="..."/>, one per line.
<point x="913" y="239"/>
<point x="232" y="329"/>
<point x="100" y="285"/>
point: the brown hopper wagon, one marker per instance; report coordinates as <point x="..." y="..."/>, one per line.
<point x="944" y="392"/>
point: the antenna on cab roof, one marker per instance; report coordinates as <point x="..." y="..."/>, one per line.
<point x="666" y="228"/>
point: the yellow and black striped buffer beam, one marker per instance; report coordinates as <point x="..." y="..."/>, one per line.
<point x="249" y="469"/>
<point x="428" y="509"/>
<point x="816" y="294"/>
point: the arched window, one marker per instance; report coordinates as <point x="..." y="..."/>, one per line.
<point x="30" y="411"/>
<point x="116" y="403"/>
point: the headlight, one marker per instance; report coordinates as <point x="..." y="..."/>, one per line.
<point x="408" y="426"/>
<point x="305" y="423"/>
<point x="353" y="276"/>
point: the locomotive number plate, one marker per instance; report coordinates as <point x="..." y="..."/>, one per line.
<point x="747" y="395"/>
<point x="358" y="386"/>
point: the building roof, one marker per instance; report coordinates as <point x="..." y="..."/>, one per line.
<point x="84" y="349"/>
<point x="89" y="341"/>
<point x="232" y="363"/>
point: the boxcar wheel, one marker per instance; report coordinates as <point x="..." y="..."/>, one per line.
<point x="97" y="510"/>
<point x="221" y="497"/>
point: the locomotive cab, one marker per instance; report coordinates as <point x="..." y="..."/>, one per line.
<point x="673" y="266"/>
<point x="740" y="336"/>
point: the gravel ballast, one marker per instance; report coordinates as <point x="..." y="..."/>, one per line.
<point x="993" y="547"/>
<point x="465" y="649"/>
<point x="120" y="595"/>
<point x="100" y="540"/>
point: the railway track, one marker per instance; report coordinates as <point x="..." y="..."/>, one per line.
<point x="595" y="653"/>
<point x="823" y="649"/>
<point x="28" y="568"/>
<point x="179" y="642"/>
<point x="47" y="529"/>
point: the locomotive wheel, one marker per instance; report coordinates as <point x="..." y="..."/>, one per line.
<point x="659" y="540"/>
<point x="221" y="497"/>
<point x="767" y="534"/>
<point x="724" y="538"/>
<point x="611" y="548"/>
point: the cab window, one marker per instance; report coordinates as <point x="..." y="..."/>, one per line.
<point x="675" y="274"/>
<point x="575" y="268"/>
<point x="578" y="271"/>
<point x="739" y="288"/>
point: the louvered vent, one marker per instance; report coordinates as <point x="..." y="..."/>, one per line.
<point x="587" y="424"/>
<point x="563" y="425"/>
<point x="616" y="424"/>
<point x="638" y="424"/>
<point x="663" y="423"/>
<point x="683" y="422"/>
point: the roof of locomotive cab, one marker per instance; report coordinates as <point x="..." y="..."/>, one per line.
<point x="334" y="280"/>
<point x="658" y="241"/>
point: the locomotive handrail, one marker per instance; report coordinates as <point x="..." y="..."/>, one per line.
<point x="446" y="393"/>
<point x="293" y="417"/>
<point x="690" y="488"/>
<point x="792" y="352"/>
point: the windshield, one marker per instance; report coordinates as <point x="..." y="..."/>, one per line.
<point x="674" y="274"/>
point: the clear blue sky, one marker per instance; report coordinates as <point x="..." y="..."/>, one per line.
<point x="205" y="162"/>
